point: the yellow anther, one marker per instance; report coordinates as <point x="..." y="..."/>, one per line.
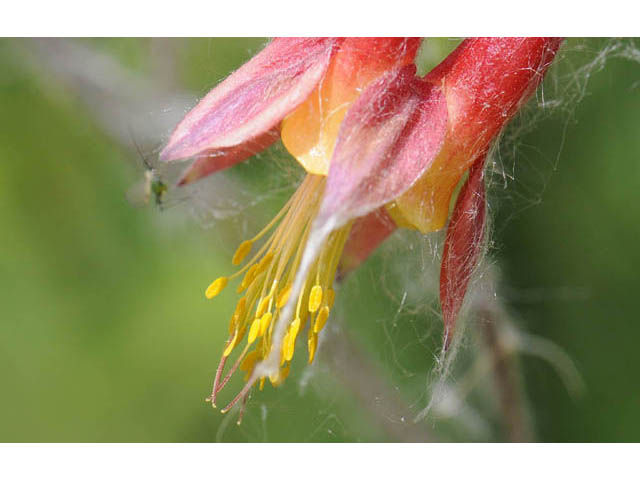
<point x="280" y="376"/>
<point x="265" y="321"/>
<point x="295" y="327"/>
<point x="241" y="252"/>
<point x="315" y="298"/>
<point x="253" y="331"/>
<point x="266" y="280"/>
<point x="262" y="306"/>
<point x="321" y="319"/>
<point x="241" y="307"/>
<point x="312" y="344"/>
<point x="264" y="263"/>
<point x="230" y="345"/>
<point x="249" y="361"/>
<point x="284" y="373"/>
<point x="233" y="324"/>
<point x="283" y="296"/>
<point x="283" y="350"/>
<point x="248" y="278"/>
<point x="288" y="346"/>
<point x="216" y="287"/>
<point x="331" y="297"/>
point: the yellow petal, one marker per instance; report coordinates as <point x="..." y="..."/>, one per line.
<point x="425" y="206"/>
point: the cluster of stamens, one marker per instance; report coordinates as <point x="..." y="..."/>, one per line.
<point x="266" y="288"/>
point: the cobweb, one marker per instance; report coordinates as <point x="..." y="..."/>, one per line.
<point x="518" y="171"/>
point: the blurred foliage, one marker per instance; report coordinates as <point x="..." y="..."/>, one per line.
<point x="106" y="335"/>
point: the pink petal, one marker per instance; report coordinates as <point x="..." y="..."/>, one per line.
<point x="212" y="161"/>
<point x="462" y="246"/>
<point x="366" y="235"/>
<point x="250" y="102"/>
<point x="387" y="140"/>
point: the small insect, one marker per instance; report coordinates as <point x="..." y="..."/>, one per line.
<point x="151" y="186"/>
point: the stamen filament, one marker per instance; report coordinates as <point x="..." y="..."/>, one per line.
<point x="268" y="280"/>
<point x="233" y="368"/>
<point x="214" y="389"/>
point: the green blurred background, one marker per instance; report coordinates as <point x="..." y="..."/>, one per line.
<point x="105" y="332"/>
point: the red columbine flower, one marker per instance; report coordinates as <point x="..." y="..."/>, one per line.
<point x="378" y="144"/>
<point x="301" y="90"/>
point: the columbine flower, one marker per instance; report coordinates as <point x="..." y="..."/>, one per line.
<point x="300" y="89"/>
<point x="382" y="148"/>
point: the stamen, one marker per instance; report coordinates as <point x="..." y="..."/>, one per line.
<point x="315" y="298"/>
<point x="312" y="343"/>
<point x="283" y="296"/>
<point x="295" y="327"/>
<point x="280" y="376"/>
<point x="248" y="278"/>
<point x="264" y="263"/>
<point x="234" y="341"/>
<point x="242" y="393"/>
<point x="214" y="389"/>
<point x="288" y="347"/>
<point x="265" y="321"/>
<point x="253" y="331"/>
<point x="233" y="368"/>
<point x="321" y="319"/>
<point x="249" y="361"/>
<point x="243" y="407"/>
<point x="267" y="281"/>
<point x="262" y="306"/>
<point x="331" y="297"/>
<point x="241" y="252"/>
<point x="284" y="350"/>
<point x="216" y="287"/>
<point x="241" y="307"/>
